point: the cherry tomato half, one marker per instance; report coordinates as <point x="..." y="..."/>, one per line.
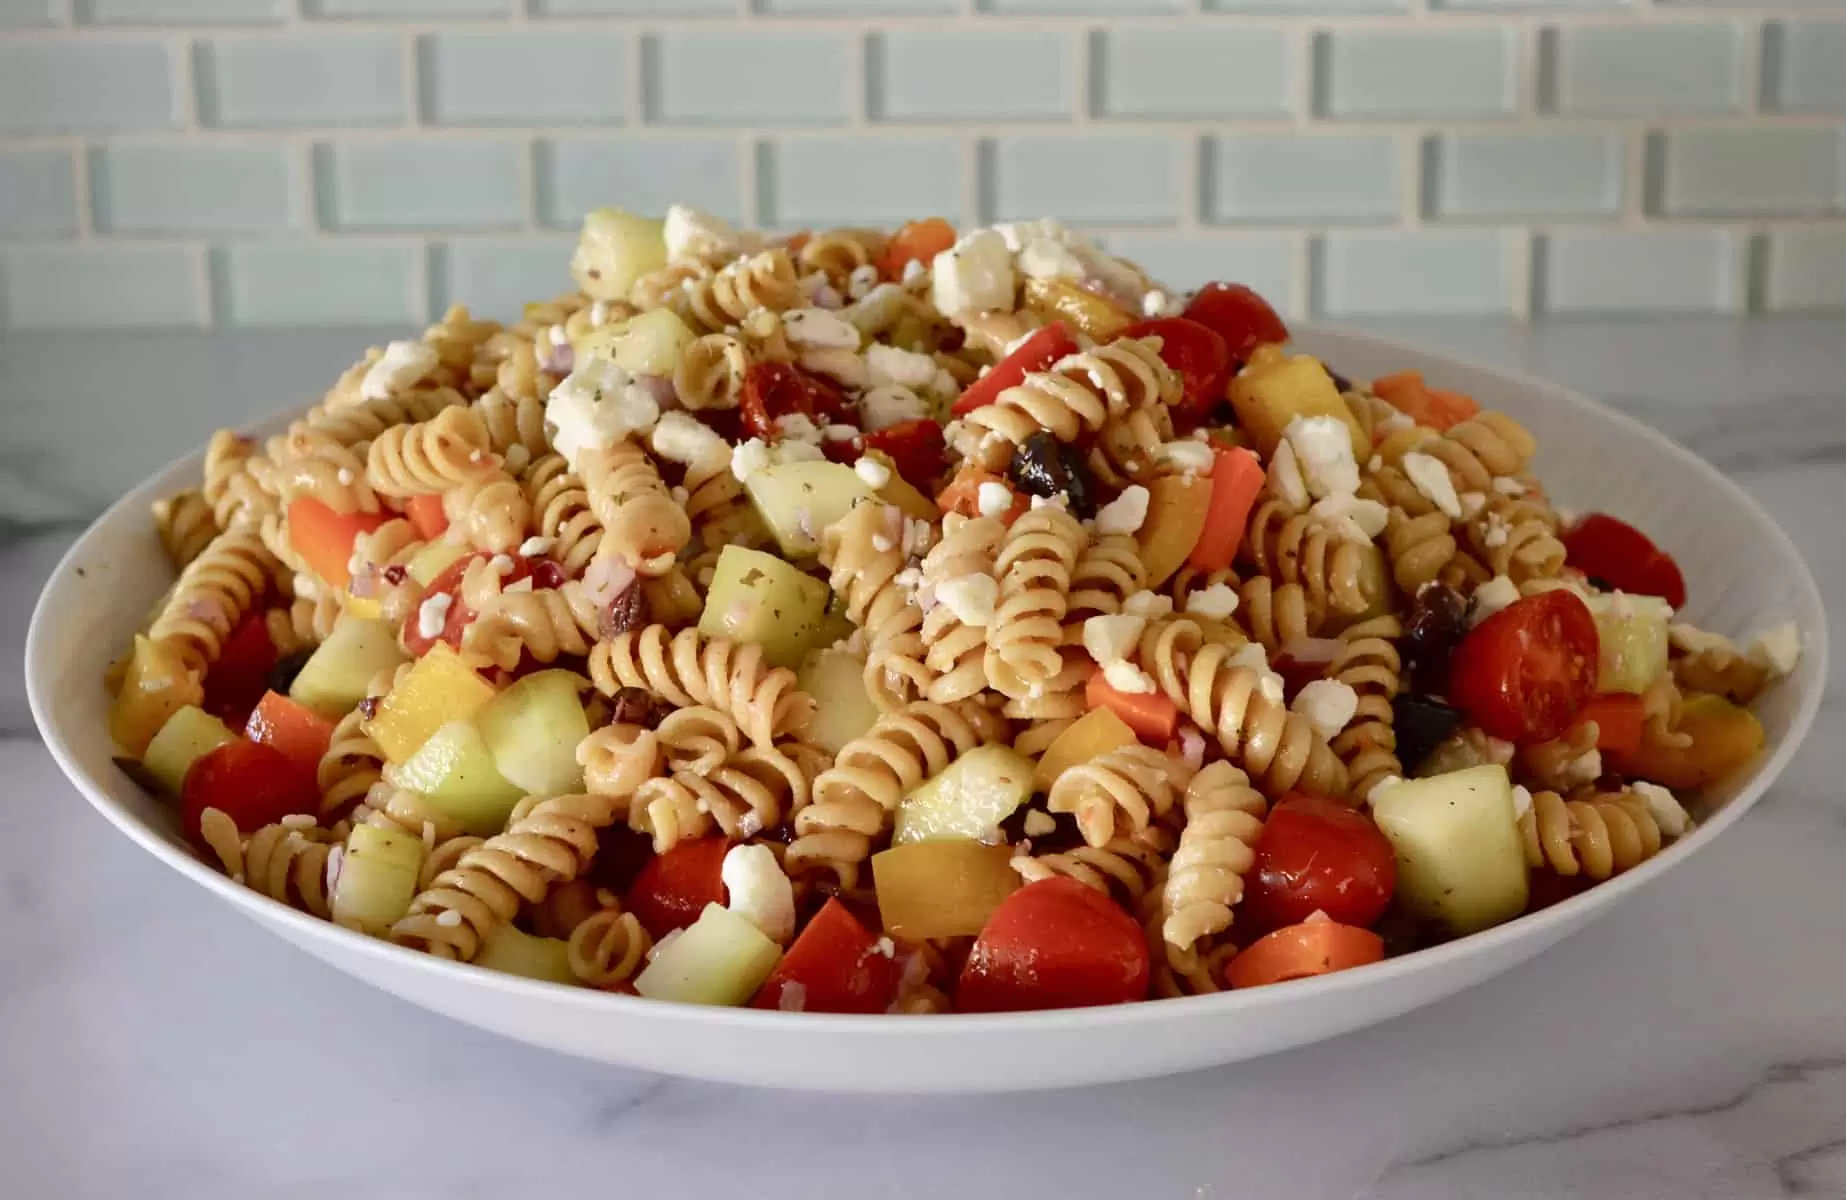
<point x="1054" y="944"/>
<point x="917" y="449"/>
<point x="918" y="241"/>
<point x="834" y="966"/>
<point x="772" y="390"/>
<point x="459" y="615"/>
<point x="1238" y="315"/>
<point x="1036" y="353"/>
<point x="253" y="784"/>
<point x="1523" y="673"/>
<point x="1623" y="557"/>
<point x="241" y="675"/>
<point x="674" y="888"/>
<point x="1199" y="354"/>
<point x="1317" y="854"/>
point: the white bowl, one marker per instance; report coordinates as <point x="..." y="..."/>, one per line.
<point x="1742" y="571"/>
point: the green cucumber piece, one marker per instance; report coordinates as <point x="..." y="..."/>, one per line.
<point x="719" y="959"/>
<point x="846" y="711"/>
<point x="377" y="878"/>
<point x="334" y="678"/>
<point x="1633" y="633"/>
<point x="188" y="735"/>
<point x="517" y="952"/>
<point x="1460" y="859"/>
<point x="798" y="501"/>
<point x="532" y="730"/>
<point x="614" y="249"/>
<point x="756" y="597"/>
<point x="455" y="772"/>
<point x="968" y="799"/>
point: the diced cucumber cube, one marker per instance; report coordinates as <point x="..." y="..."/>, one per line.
<point x="189" y="735"/>
<point x="719" y="959"/>
<point x="968" y="799"/>
<point x="517" y="952"/>
<point x="532" y="730"/>
<point x="334" y="678"/>
<point x="1460" y="859"/>
<point x="377" y="878"/>
<point x="846" y="711"/>
<point x="756" y="597"/>
<point x="455" y="772"/>
<point x="799" y="500"/>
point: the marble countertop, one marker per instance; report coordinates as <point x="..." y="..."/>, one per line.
<point x="152" y="1043"/>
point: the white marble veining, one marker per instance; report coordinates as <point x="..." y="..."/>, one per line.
<point x="1693" y="1044"/>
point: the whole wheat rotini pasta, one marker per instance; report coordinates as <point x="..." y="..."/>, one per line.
<point x="1205" y="880"/>
<point x="215" y="591"/>
<point x="185" y="524"/>
<point x="688" y="668"/>
<point x="954" y="648"/>
<point x="449" y="449"/>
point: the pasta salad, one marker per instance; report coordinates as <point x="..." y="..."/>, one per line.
<point x="911" y="622"/>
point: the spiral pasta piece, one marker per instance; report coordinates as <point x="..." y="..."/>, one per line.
<point x="1722" y="670"/>
<point x="216" y="590"/>
<point x="749" y="793"/>
<point x="231" y="489"/>
<point x="1076" y="396"/>
<point x="387" y="807"/>
<point x="1277" y="747"/>
<point x="710" y="372"/>
<point x="1423" y="550"/>
<point x="688" y="668"/>
<point x="607" y="947"/>
<point x="838" y="253"/>
<point x="866" y="577"/>
<point x="553" y="841"/>
<point x="1523" y="548"/>
<point x="617" y="759"/>
<point x="1368" y="663"/>
<point x="698" y="739"/>
<point x="546" y="623"/>
<point x="1564" y="762"/>
<point x="1034" y="566"/>
<point x="449" y="449"/>
<point x="286" y="861"/>
<point x="1292" y="547"/>
<point x="642" y="524"/>
<point x="1277" y="614"/>
<point x="1118" y="794"/>
<point x="853" y="800"/>
<point x="1593" y="834"/>
<point x="716" y="506"/>
<point x="1126" y="869"/>
<point x="561" y="509"/>
<point x="1107" y="572"/>
<point x="380" y="568"/>
<point x="1126" y="450"/>
<point x="1205" y="879"/>
<point x="719" y="301"/>
<point x="352" y="763"/>
<point x="954" y="649"/>
<point x="513" y="421"/>
<point x="185" y="525"/>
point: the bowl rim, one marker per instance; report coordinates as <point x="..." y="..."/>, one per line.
<point x="1556" y="920"/>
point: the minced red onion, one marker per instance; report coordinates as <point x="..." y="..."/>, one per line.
<point x="606" y="578"/>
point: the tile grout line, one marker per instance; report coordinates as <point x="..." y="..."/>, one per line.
<point x="83" y="191"/>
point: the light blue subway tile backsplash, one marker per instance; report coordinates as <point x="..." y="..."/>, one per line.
<point x="1427" y="273"/>
<point x="196" y="189"/>
<point x="1263" y="261"/>
<point x="1642" y="70"/>
<point x="780" y="78"/>
<point x="29" y="14"/>
<point x="1735" y="172"/>
<point x="834" y="8"/>
<point x="1106" y="8"/>
<point x="886" y="179"/>
<point x="1389" y="73"/>
<point x="1288" y="178"/>
<point x="496" y="278"/>
<point x="1157" y="72"/>
<point x="345" y="78"/>
<point x="634" y="8"/>
<point x="1105" y="179"/>
<point x="1805" y="268"/>
<point x="576" y="174"/>
<point x="1499" y="175"/>
<point x="121" y="85"/>
<point x="405" y="184"/>
<point x="178" y="12"/>
<point x="321" y="283"/>
<point x="1312" y="7"/>
<point x="527" y="77"/>
<point x="38" y="194"/>
<point x="407" y="8"/>
<point x="994" y="74"/>
<point x="101" y="287"/>
<point x="1619" y="270"/>
<point x="1811" y="57"/>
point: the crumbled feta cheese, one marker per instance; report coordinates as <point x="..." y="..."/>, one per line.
<point x="449" y="918"/>
<point x="1496" y="532"/>
<point x="692" y="234"/>
<point x="1040" y="823"/>
<point x="974" y="275"/>
<point x="1375" y="463"/>
<point x="893" y="364"/>
<point x="993" y="499"/>
<point x="1491" y="597"/>
<point x="1430" y="476"/>
<point x="758" y="891"/>
<point x="1585" y="768"/>
<point x="1393" y="423"/>
<point x="1285" y="481"/>
<point x="305" y="586"/>
<point x="797" y="427"/>
<point x="1125" y="677"/>
<point x="1328" y="705"/>
<point x="1324" y="447"/>
<point x="346" y="477"/>
<point x="1144" y="603"/>
<point x="913" y="270"/>
<point x="1665" y="807"/>
<point x="1522" y="802"/>
<point x="1471" y="504"/>
<point x="1507" y="485"/>
<point x="596" y="406"/>
<point x="844" y="367"/>
<point x="433" y="614"/>
<point x="1047" y="258"/>
<point x="971" y="598"/>
<point x="749" y="458"/>
<point x="887" y="405"/>
<point x="1216" y="602"/>
<point x="908" y="578"/>
<point x="1352" y="518"/>
<point x="1778" y="648"/>
<point x="1125" y="513"/>
<point x="1112" y="638"/>
<point x="882" y="544"/>
<point x="862" y="280"/>
<point x="820" y="329"/>
<point x="1694" y="640"/>
<point x="1253" y="656"/>
<point x="682" y="438"/>
<point x="1156" y="303"/>
<point x="501" y="564"/>
<point x="402" y="365"/>
<point x="875" y="473"/>
<point x="599" y="312"/>
<point x="878" y="311"/>
<point x="1186" y="457"/>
